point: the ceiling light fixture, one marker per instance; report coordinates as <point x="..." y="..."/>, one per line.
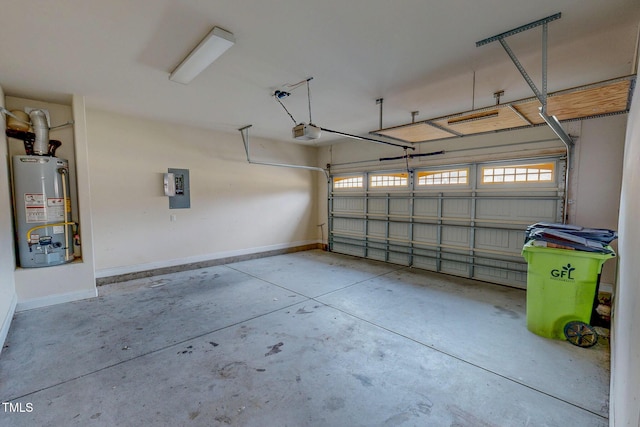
<point x="210" y="48"/>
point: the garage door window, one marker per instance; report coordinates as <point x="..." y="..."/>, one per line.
<point x="389" y="180"/>
<point x="518" y="174"/>
<point x="347" y="182"/>
<point x="444" y="177"/>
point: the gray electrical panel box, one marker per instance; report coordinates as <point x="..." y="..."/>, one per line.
<point x="182" y="198"/>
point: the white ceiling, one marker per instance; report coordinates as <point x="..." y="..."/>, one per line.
<point x="416" y="54"/>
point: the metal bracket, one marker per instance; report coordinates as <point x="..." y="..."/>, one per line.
<point x="379" y="101"/>
<point x="519" y="29"/>
<point x="552" y="121"/>
<point x="244" y="131"/>
<point x="540" y="94"/>
<point x="442" y="128"/>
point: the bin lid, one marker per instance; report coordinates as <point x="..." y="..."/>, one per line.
<point x="601" y="235"/>
<point x="569" y="240"/>
<point x="530" y="247"/>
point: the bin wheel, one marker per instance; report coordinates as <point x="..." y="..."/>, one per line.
<point x="580" y="334"/>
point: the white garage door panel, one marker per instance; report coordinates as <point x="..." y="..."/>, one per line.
<point x="502" y="271"/>
<point x="424" y="233"/>
<point x="349" y="226"/>
<point x="399" y="259"/>
<point x="455" y="236"/>
<point x="377" y="229"/>
<point x="353" y="205"/>
<point x="469" y="229"/>
<point x="500" y="275"/>
<point x="523" y="211"/>
<point x="426" y="207"/>
<point x="456" y="208"/>
<point x="377" y="254"/>
<point x="425" y="263"/>
<point x="425" y="259"/>
<point x="377" y="206"/>
<point x="348" y="248"/>
<point x="455" y="264"/>
<point x="400" y="207"/>
<point x="399" y="231"/>
<point x="500" y="240"/>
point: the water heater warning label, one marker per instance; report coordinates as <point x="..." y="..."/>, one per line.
<point x="33" y="199"/>
<point x="55" y="209"/>
<point x="36" y="214"/>
<point x="37" y="211"/>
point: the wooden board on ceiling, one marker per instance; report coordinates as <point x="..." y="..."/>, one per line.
<point x="502" y="117"/>
<point x="609" y="97"/>
<point x="415" y="132"/>
<point x="580" y="103"/>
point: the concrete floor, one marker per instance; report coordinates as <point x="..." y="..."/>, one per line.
<point x="304" y="339"/>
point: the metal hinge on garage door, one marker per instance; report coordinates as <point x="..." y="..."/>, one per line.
<point x="467" y="220"/>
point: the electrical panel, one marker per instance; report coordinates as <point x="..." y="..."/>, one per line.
<point x="176" y="182"/>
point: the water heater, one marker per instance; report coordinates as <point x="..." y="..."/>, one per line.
<point x="43" y="210"/>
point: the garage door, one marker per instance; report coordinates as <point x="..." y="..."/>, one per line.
<point x="466" y="220"/>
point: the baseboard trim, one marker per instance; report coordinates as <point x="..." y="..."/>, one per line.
<point x="106" y="277"/>
<point x="6" y="323"/>
<point x="30" y="304"/>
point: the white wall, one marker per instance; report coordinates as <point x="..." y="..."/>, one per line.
<point x="236" y="208"/>
<point x="597" y="177"/>
<point x="8" y="297"/>
<point x="625" y="352"/>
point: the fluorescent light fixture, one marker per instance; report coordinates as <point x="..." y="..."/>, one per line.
<point x="210" y="48"/>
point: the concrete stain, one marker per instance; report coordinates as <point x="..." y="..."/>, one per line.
<point x="223" y="419"/>
<point x="364" y="380"/>
<point x="274" y="349"/>
<point x="425" y="407"/>
<point x="464" y="418"/>
<point x="397" y="419"/>
<point x="501" y="311"/>
<point x="334" y="403"/>
<point x="231" y="370"/>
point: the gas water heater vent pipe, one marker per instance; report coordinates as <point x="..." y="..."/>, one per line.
<point x="41" y="129"/>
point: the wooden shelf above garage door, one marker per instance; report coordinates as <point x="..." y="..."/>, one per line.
<point x="594" y="100"/>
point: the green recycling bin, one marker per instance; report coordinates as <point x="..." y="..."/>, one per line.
<point x="561" y="287"/>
